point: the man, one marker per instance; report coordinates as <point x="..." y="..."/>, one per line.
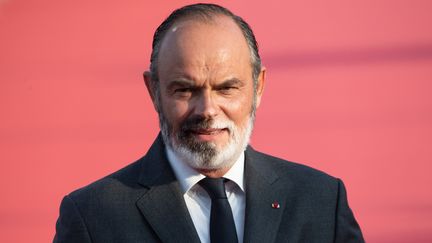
<point x="206" y="81"/>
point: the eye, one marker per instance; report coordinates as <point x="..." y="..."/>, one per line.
<point x="183" y="90"/>
<point x="227" y="89"/>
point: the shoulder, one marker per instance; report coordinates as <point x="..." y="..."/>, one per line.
<point x="117" y="184"/>
<point x="299" y="174"/>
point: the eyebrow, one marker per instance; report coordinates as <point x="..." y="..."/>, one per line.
<point x="180" y="83"/>
<point x="190" y="83"/>
<point x="230" y="82"/>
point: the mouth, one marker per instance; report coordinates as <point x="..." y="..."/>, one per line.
<point x="208" y="134"/>
<point x="208" y="131"/>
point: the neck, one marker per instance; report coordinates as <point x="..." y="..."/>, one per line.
<point x="214" y="173"/>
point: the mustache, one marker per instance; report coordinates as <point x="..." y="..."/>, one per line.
<point x="199" y="123"/>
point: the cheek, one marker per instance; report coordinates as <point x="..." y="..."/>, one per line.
<point x="175" y="111"/>
<point x="238" y="110"/>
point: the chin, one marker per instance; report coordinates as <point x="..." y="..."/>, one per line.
<point x="211" y="158"/>
<point x="205" y="155"/>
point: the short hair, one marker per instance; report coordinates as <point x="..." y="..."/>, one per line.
<point x="203" y="11"/>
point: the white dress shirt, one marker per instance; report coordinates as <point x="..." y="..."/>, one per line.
<point x="199" y="203"/>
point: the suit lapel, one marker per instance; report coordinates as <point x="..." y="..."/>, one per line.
<point x="265" y="199"/>
<point x="163" y="204"/>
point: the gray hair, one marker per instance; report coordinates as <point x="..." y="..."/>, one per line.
<point x="202" y="11"/>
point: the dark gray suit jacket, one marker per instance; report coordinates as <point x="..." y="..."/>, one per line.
<point x="143" y="203"/>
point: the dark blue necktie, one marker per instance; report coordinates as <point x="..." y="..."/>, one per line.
<point x="222" y="227"/>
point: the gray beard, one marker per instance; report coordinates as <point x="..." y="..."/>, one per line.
<point x="206" y="155"/>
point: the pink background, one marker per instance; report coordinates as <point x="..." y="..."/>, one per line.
<point x="348" y="92"/>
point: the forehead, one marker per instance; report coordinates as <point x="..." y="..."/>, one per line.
<point x="204" y="44"/>
<point x="194" y="27"/>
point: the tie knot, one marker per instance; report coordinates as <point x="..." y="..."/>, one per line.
<point x="215" y="187"/>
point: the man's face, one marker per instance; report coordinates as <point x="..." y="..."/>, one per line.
<point x="206" y="98"/>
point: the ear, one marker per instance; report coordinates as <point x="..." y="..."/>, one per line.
<point x="260" y="85"/>
<point x="149" y="84"/>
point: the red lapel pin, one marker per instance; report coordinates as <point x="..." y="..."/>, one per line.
<point x="275" y="205"/>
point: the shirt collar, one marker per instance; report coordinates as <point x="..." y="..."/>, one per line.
<point x="188" y="177"/>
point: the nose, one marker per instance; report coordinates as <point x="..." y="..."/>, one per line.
<point x="205" y="105"/>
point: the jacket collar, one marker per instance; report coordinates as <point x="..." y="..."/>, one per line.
<point x="162" y="204"/>
<point x="266" y="198"/>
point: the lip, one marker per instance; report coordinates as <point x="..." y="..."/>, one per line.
<point x="208" y="134"/>
<point x="208" y="131"/>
